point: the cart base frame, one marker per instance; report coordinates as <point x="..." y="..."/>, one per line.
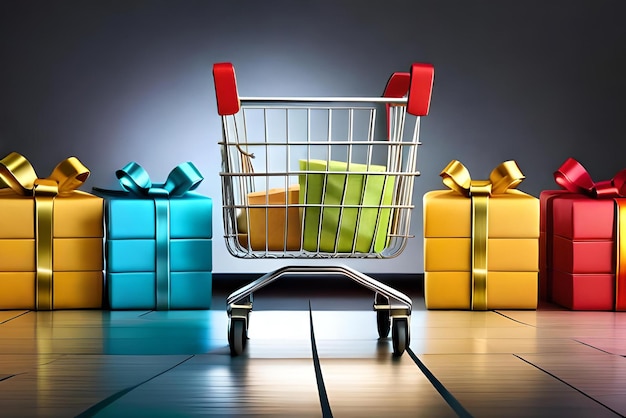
<point x="393" y="308"/>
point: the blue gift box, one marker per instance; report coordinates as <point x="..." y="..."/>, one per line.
<point x="158" y="248"/>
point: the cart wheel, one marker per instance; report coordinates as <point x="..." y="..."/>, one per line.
<point x="383" y="319"/>
<point x="384" y="323"/>
<point x="237" y="336"/>
<point x="400" y="336"/>
<point x="244" y="335"/>
<point x="246" y="301"/>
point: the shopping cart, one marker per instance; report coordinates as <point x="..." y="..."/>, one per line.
<point x="320" y="178"/>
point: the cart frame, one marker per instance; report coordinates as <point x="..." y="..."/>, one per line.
<point x="377" y="222"/>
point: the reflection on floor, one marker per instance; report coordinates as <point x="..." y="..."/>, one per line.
<point x="550" y="362"/>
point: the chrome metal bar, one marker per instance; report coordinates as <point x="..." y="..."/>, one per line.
<point x="391" y="100"/>
<point x="374" y="285"/>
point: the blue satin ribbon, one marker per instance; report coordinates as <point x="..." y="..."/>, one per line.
<point x="135" y="180"/>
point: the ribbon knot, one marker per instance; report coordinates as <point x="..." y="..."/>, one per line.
<point x="505" y="176"/>
<point x="573" y="177"/>
<point x="18" y="173"/>
<point x="135" y="179"/>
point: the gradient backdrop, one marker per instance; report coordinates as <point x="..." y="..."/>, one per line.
<point x="113" y="81"/>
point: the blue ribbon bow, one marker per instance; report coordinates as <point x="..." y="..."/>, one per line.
<point x="182" y="179"/>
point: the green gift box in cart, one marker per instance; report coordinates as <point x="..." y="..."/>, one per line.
<point x="346" y="206"/>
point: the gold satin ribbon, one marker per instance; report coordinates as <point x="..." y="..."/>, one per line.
<point x="18" y="174"/>
<point x="620" y="268"/>
<point x="504" y="177"/>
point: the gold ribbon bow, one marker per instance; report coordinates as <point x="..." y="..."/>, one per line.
<point x="504" y="177"/>
<point x="19" y="175"/>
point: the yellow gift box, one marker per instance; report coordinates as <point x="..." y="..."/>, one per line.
<point x="51" y="238"/>
<point x="277" y="209"/>
<point x="481" y="242"/>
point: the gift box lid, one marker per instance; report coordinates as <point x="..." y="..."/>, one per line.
<point x="511" y="214"/>
<point x="324" y="165"/>
<point x="76" y="214"/>
<point x="581" y="217"/>
<point x="133" y="217"/>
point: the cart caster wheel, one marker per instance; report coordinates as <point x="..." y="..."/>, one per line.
<point x="237" y="336"/>
<point x="384" y="323"/>
<point x="400" y="336"/>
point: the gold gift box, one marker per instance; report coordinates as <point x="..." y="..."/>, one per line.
<point x="512" y="250"/>
<point x="77" y="260"/>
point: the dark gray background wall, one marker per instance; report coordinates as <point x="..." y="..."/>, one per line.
<point x="128" y="80"/>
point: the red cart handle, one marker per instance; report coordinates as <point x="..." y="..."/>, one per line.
<point x="416" y="85"/>
<point x="226" y="89"/>
<point x="397" y="85"/>
<point x="420" y="89"/>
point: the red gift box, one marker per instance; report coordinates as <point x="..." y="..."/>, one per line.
<point x="581" y="264"/>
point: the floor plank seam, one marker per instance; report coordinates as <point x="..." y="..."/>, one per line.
<point x="15" y="317"/>
<point x="594" y="347"/>
<point x="52" y="360"/>
<point x="443" y="391"/>
<point x="515" y="320"/>
<point x="94" y="409"/>
<point x="325" y="404"/>
<point x="9" y="376"/>
<point x="568" y="384"/>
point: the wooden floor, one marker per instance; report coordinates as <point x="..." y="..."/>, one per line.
<point x="545" y="363"/>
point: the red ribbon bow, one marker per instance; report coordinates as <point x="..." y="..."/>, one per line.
<point x="573" y="177"/>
